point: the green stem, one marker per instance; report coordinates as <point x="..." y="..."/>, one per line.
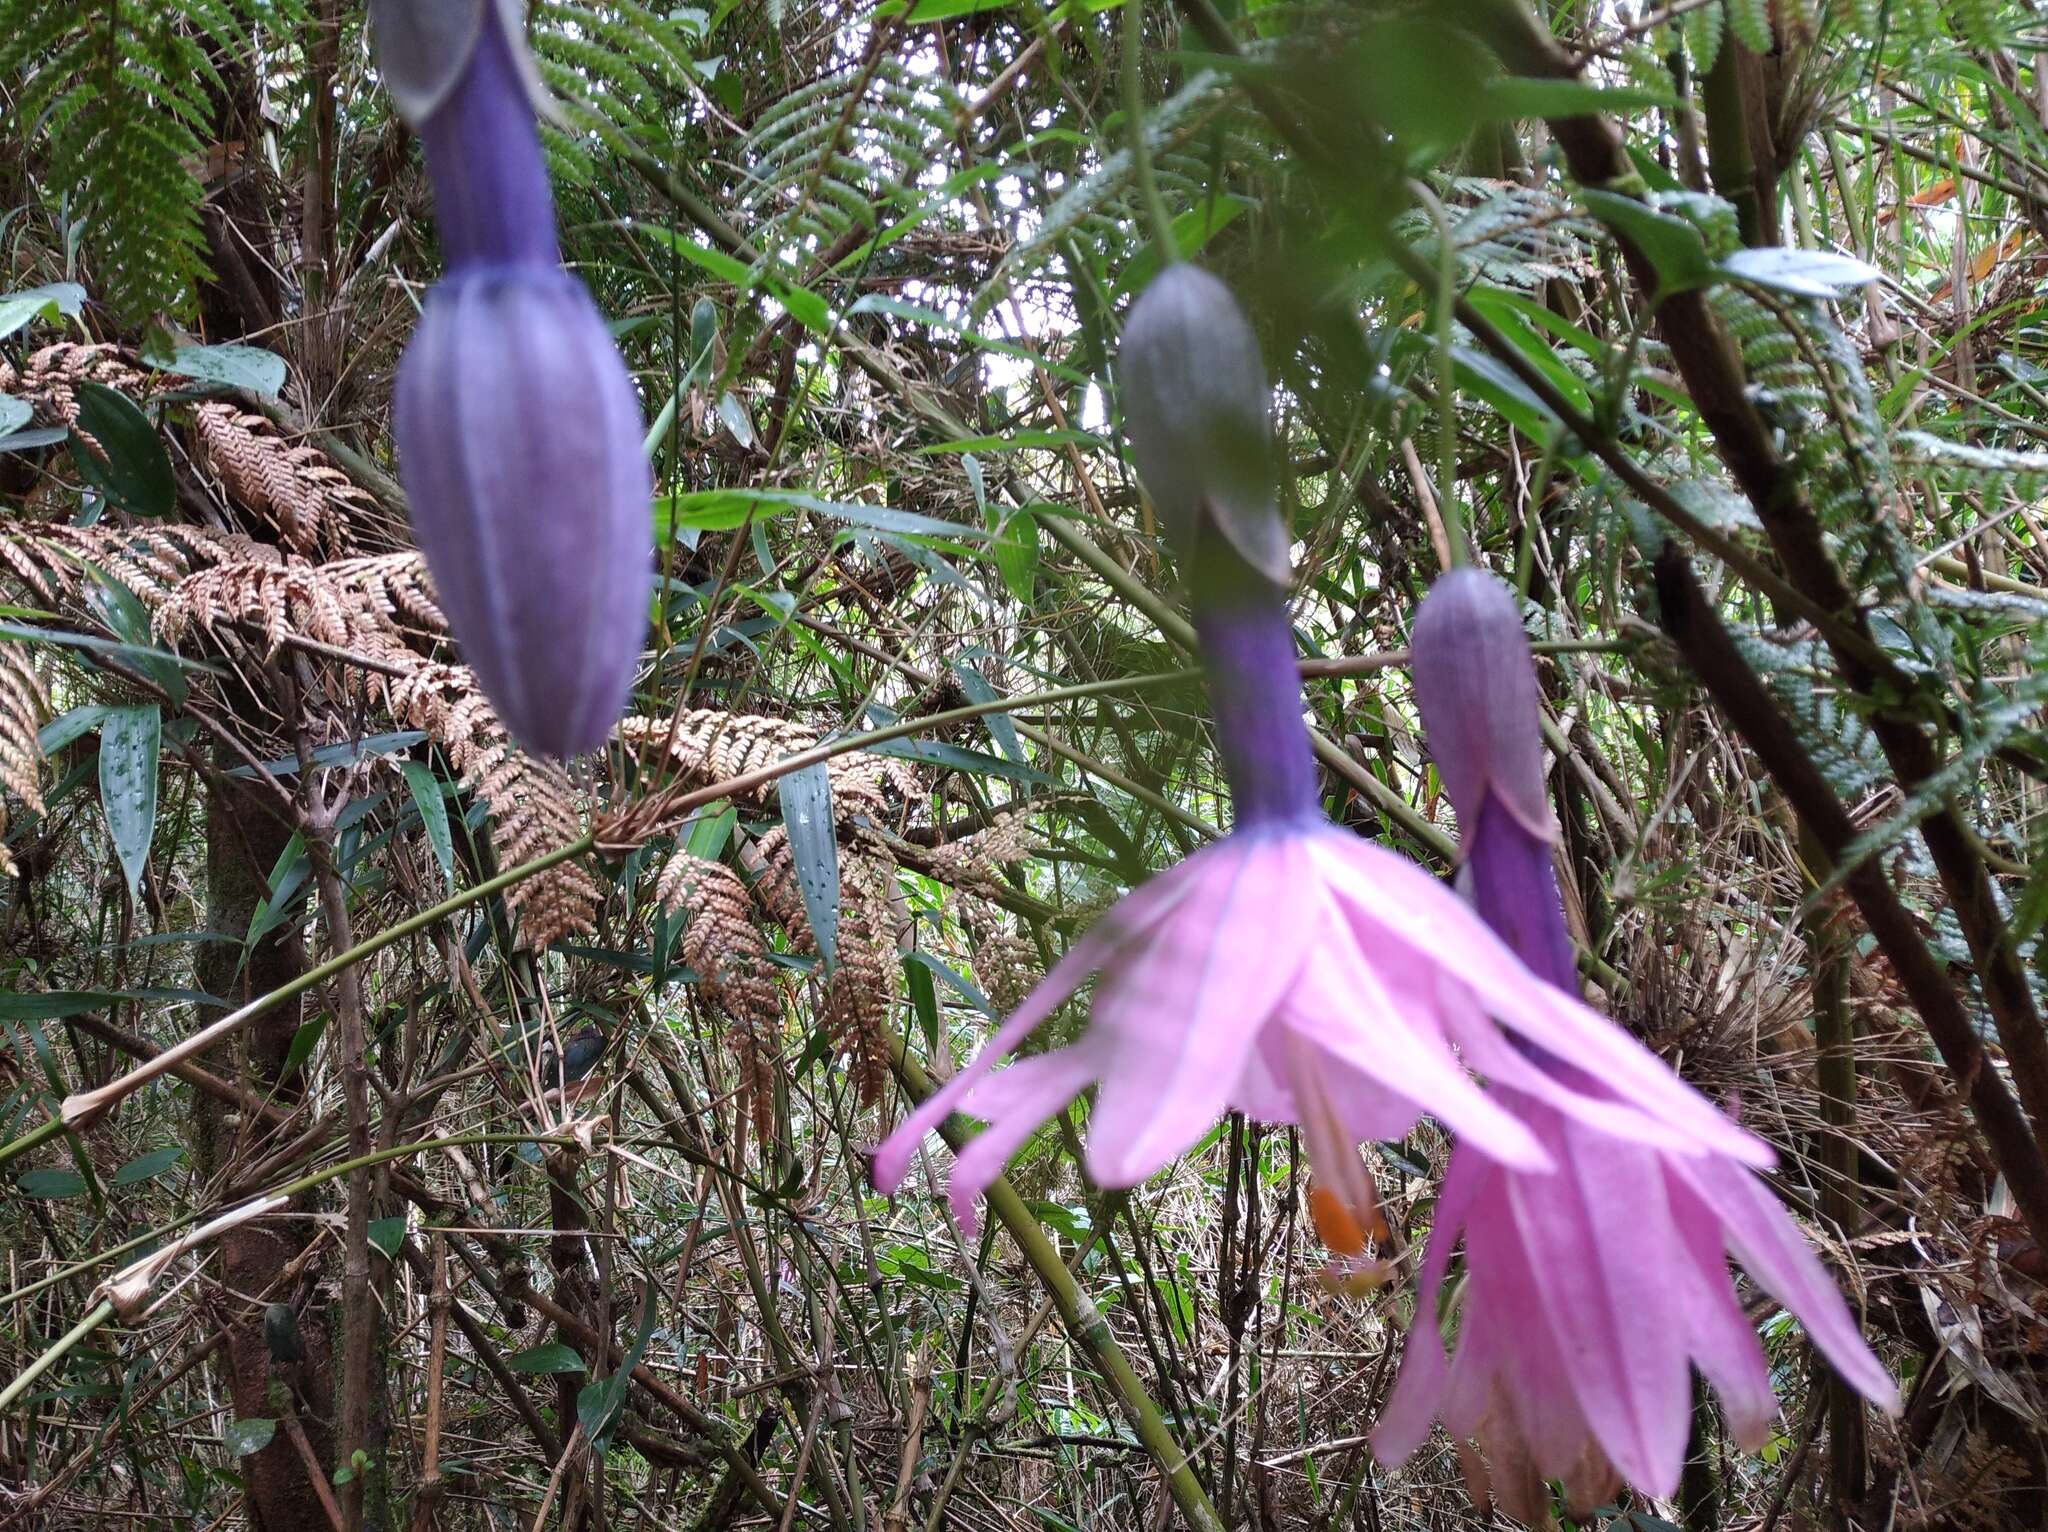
<point x="1078" y="1314"/>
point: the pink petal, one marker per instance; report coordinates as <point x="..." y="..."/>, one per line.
<point x="1405" y="1420"/>
<point x="1116" y="931"/>
<point x="1342" y="1006"/>
<point x="1213" y="974"/>
<point x="1507" y="1068"/>
<point x="1405" y="903"/>
<point x="1598" y="1234"/>
<point x="1769" y="1245"/>
<point x="1015" y="1102"/>
<point x="1724" y="1346"/>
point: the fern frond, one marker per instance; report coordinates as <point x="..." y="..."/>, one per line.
<point x="734" y="972"/>
<point x="295" y="489"/>
<point x="22" y="706"/>
<point x="122" y="92"/>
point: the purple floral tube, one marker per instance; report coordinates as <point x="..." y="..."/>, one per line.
<point x="1593" y="1286"/>
<point x="518" y="428"/>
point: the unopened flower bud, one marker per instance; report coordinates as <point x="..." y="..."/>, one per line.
<point x="1475" y="682"/>
<point x="517" y="425"/>
<point x="1197" y="413"/>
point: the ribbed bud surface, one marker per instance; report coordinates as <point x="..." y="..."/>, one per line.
<point x="1197" y="413"/>
<point x="519" y="432"/>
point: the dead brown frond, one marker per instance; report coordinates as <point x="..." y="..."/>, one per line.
<point x="1005" y="964"/>
<point x="395" y="585"/>
<point x="310" y="502"/>
<point x="292" y="599"/>
<point x="860" y="992"/>
<point x="22" y="706"/>
<point x="52" y="561"/>
<point x="533" y="807"/>
<point x="705" y="747"/>
<point x="771" y="866"/>
<point x="978" y="860"/>
<point x="734" y="973"/>
<point x="50" y="377"/>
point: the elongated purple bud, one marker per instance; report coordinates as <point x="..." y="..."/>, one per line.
<point x="518" y="427"/>
<point x="1475" y="682"/>
<point x="1195" y="406"/>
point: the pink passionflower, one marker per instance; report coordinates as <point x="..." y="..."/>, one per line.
<point x="1300" y="975"/>
<point x="1593" y="1287"/>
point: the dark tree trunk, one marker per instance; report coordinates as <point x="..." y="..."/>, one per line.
<point x="243" y="842"/>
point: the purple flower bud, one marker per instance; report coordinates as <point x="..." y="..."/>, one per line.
<point x="1196" y="409"/>
<point x="1476" y="684"/>
<point x="518" y="427"/>
<point x="520" y="435"/>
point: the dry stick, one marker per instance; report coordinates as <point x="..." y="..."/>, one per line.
<point x="437" y="1353"/>
<point x="898" y="1517"/>
<point x="316" y="1471"/>
<point x="1083" y="1322"/>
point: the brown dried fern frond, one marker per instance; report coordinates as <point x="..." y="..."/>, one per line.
<point x="533" y="807"/>
<point x="310" y="502"/>
<point x="861" y="990"/>
<point x="394" y="585"/>
<point x="978" y="860"/>
<point x="49" y="378"/>
<point x="22" y="706"/>
<point x="51" y="561"/>
<point x="293" y="599"/>
<point x="734" y="972"/>
<point x="707" y="746"/>
<point x="771" y="866"/>
<point x="1006" y="965"/>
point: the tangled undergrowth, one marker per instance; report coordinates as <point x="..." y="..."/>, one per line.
<point x="589" y="1142"/>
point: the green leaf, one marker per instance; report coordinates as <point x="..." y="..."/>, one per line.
<point x="1671" y="245"/>
<point x="924" y="1001"/>
<point x="710" y="831"/>
<point x="720" y="510"/>
<point x="14" y="414"/>
<point x="146" y="1167"/>
<point x="50" y="1185"/>
<point x="550" y="1358"/>
<point x="250" y="367"/>
<point x="1750" y="20"/>
<point x="55" y="1005"/>
<point x="387" y="1234"/>
<point x="937" y="753"/>
<point x="243" y="1437"/>
<point x="433" y="807"/>
<point x="136" y="471"/>
<point x="814" y="847"/>
<point x="599" y="1403"/>
<point x="130" y="739"/>
<point x="1702" y="32"/>
<point x="304" y="1041"/>
<point x="1015" y="552"/>
<point x="53" y="302"/>
<point x="946" y="10"/>
<point x="1002" y="728"/>
<point x="1805" y="273"/>
<point x="68" y="726"/>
